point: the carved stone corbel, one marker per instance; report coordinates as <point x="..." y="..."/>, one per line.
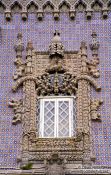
<point x="72" y="14"/>
<point x="55" y="165"/>
<point x="8" y="15"/>
<point x="40" y="15"/>
<point x="24" y="15"/>
<point x="105" y="12"/>
<point x="56" y="15"/>
<point x="89" y="12"/>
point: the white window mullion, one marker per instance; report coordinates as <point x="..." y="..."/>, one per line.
<point x="57" y="117"/>
<point x="41" y="131"/>
<point x="70" y="117"/>
<point x="56" y="122"/>
<point x="43" y="104"/>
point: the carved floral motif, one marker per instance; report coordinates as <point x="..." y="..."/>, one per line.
<point x="56" y="84"/>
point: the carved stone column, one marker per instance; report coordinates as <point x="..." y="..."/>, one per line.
<point x="29" y="120"/>
<point x="84" y="103"/>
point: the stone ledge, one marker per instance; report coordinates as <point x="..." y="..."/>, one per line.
<point x="71" y="172"/>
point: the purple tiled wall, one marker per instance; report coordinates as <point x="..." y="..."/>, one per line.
<point x="72" y="33"/>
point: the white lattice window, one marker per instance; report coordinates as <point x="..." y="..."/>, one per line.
<point x="57" y="117"/>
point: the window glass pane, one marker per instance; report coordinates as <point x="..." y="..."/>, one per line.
<point x="63" y="118"/>
<point x="49" y="117"/>
<point x="56" y="117"/>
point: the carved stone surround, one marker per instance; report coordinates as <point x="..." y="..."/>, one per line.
<point x="39" y="7"/>
<point x="33" y="75"/>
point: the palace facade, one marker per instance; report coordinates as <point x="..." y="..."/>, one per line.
<point x="55" y="74"/>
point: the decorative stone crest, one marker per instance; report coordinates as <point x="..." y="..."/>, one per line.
<point x="60" y="84"/>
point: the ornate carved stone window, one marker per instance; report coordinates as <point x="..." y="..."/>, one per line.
<point x="49" y="110"/>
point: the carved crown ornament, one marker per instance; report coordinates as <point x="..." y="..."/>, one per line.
<point x="40" y="8"/>
<point x="48" y="74"/>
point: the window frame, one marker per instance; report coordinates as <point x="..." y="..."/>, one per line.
<point x="56" y="99"/>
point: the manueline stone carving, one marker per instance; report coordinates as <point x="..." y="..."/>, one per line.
<point x="56" y="79"/>
<point x="20" y="68"/>
<point x="89" y="7"/>
<point x="92" y="66"/>
<point x="56" y="47"/>
<point x="18" y="62"/>
<point x="95" y="104"/>
<point x="67" y="85"/>
<point x="55" y="165"/>
<point x="18" y="110"/>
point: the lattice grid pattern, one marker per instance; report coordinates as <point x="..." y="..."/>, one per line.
<point x="49" y="113"/>
<point x="63" y="119"/>
<point x="56" y="117"/>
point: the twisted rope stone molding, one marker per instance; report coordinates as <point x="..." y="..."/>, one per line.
<point x="40" y="7"/>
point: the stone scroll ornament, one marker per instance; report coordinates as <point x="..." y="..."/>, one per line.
<point x="55" y="79"/>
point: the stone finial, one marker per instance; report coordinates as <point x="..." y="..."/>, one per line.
<point x="29" y="45"/>
<point x="94" y="46"/>
<point x="56" y="47"/>
<point x="28" y="68"/>
<point x="83" y="48"/>
<point x="19" y="46"/>
<point x="19" y="63"/>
